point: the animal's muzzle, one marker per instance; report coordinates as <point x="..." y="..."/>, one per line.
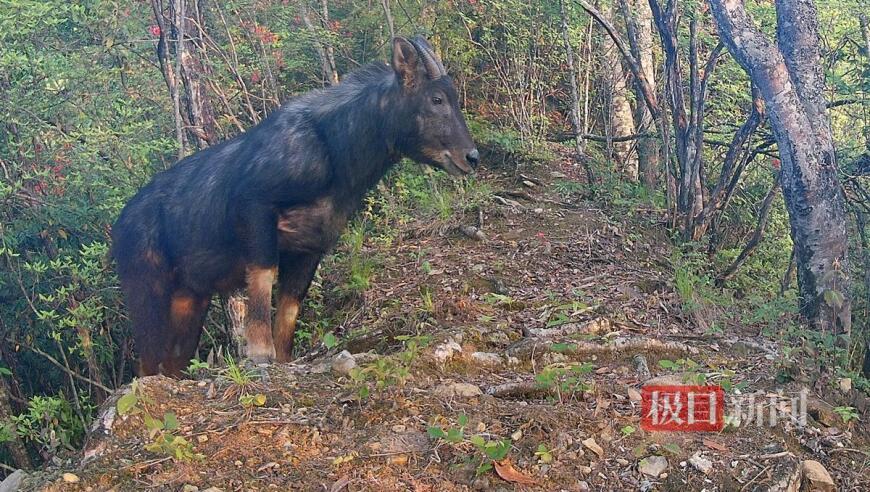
<point x="472" y="158"/>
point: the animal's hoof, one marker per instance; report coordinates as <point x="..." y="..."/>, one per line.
<point x="261" y="356"/>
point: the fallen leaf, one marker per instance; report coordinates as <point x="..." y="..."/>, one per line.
<point x="715" y="445"/>
<point x="505" y="469"/>
<point x="594" y="447"/>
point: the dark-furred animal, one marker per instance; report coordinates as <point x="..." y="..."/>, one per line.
<point x="265" y="206"/>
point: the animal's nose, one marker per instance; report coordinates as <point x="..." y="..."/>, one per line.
<point x="473" y="157"/>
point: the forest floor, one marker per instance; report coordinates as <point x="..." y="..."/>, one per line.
<point x="511" y="360"/>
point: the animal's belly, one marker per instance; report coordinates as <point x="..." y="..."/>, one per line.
<point x="310" y="229"/>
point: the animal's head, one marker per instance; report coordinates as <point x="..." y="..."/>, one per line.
<point x="437" y="134"/>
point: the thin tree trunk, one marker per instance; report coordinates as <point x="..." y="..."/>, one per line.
<point x="329" y="49"/>
<point x="189" y="45"/>
<point x="642" y="48"/>
<point x="327" y="73"/>
<point x="169" y="75"/>
<point x="575" y="97"/>
<point x="15" y="447"/>
<point x="388" y="13"/>
<point x="789" y="77"/>
<point x="621" y="118"/>
<point x="755" y="240"/>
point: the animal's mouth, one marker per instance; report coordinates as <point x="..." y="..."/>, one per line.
<point x="454" y="166"/>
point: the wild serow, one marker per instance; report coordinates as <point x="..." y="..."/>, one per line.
<point x="269" y="203"/>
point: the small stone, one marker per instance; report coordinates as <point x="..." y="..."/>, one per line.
<point x="582" y="486"/>
<point x="653" y="465"/>
<point x="816" y="477"/>
<point x="446" y="350"/>
<point x="586" y="470"/>
<point x="516" y="436"/>
<point x="398" y="428"/>
<point x="481" y="427"/>
<point x="633" y="394"/>
<point x="213" y="489"/>
<point x="845" y="385"/>
<point x="622" y="461"/>
<point x="701" y="463"/>
<point x="201" y="384"/>
<point x="594" y="447"/>
<point x="12" y="482"/>
<point x="481" y="483"/>
<point x="399" y="460"/>
<point x="343" y="363"/>
<point x="487" y="359"/>
<point x="189" y="488"/>
<point x="71" y="478"/>
<point x="462" y="390"/>
<point x="202" y="438"/>
<point x="238" y="463"/>
<point x="538" y="211"/>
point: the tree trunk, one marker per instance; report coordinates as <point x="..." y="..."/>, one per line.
<point x="621" y="118"/>
<point x="329" y="49"/>
<point x="330" y="77"/>
<point x="575" y="98"/>
<point x="790" y="78"/>
<point x="647" y="148"/>
<point x="17" y="450"/>
<point x="189" y="46"/>
<point x="388" y="13"/>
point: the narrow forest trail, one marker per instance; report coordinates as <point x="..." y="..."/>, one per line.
<point x="538" y="335"/>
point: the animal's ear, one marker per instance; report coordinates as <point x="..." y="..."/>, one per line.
<point x="406" y="62"/>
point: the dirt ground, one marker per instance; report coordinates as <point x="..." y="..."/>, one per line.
<point x="538" y="335"/>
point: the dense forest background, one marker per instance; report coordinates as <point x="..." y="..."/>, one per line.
<point x="97" y="96"/>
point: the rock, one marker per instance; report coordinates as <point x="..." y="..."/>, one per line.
<point x="446" y="350"/>
<point x="701" y="463"/>
<point x="633" y="394"/>
<point x="410" y="442"/>
<point x="13" y="482"/>
<point x="202" y="438"/>
<point x="343" y="363"/>
<point x="594" y="447"/>
<point x="189" y="488"/>
<point x="815" y="477"/>
<point x="213" y="489"/>
<point x="582" y="486"/>
<point x="462" y="390"/>
<point x="845" y="385"/>
<point x="487" y="359"/>
<point x="321" y="367"/>
<point x="71" y="478"/>
<point x="622" y="461"/>
<point x="653" y="465"/>
<point x="586" y="470"/>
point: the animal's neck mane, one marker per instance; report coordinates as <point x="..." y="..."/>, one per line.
<point x="357" y="119"/>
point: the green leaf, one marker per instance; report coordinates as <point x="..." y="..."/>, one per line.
<point x="478" y="441"/>
<point x="462" y="420"/>
<point x="152" y="424"/>
<point x="329" y="340"/>
<point x="455" y="435"/>
<point x="834" y="299"/>
<point x="4" y="371"/>
<point x="170" y="421"/>
<point x="563" y="347"/>
<point x="127" y="403"/>
<point x="672" y="448"/>
<point x="436" y="433"/>
<point x="667" y="364"/>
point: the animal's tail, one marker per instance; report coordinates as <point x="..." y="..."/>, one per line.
<point x="146" y="280"/>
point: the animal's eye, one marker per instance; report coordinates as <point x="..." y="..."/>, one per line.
<point x="437" y="100"/>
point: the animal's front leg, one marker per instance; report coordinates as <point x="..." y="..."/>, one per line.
<point x="294" y="276"/>
<point x="262" y="271"/>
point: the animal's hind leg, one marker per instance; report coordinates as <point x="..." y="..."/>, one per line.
<point x="294" y="276"/>
<point x="187" y="315"/>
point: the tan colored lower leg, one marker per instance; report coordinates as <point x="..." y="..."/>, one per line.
<point x="258" y="326"/>
<point x="285" y="326"/>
